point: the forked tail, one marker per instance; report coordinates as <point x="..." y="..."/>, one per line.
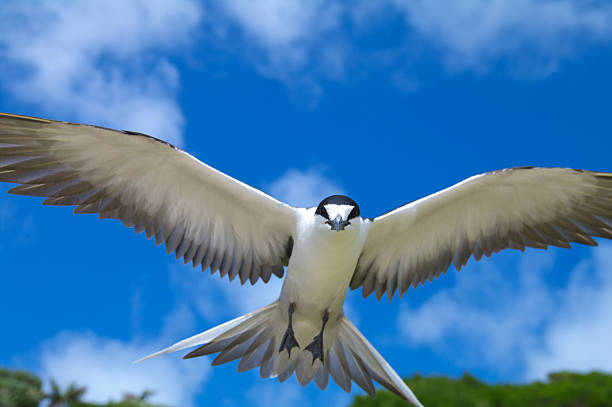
<point x="255" y="338"/>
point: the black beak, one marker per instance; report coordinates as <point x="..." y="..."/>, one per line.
<point x="337" y="224"/>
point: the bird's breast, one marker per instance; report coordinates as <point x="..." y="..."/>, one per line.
<point x="321" y="267"/>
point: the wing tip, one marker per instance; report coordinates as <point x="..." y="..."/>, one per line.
<point x="154" y="355"/>
<point x="151" y="356"/>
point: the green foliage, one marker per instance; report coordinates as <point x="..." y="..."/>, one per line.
<point x="129" y="400"/>
<point x="65" y="398"/>
<point x="562" y="390"/>
<point x="123" y="403"/>
<point x="22" y="389"/>
<point x="19" y="389"/>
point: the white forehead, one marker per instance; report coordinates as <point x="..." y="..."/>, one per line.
<point x="334" y="210"/>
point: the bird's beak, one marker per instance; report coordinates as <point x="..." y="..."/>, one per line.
<point x="338" y="223"/>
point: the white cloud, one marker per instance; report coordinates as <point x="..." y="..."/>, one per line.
<point x="283" y="23"/>
<point x="580" y="334"/>
<point x="488" y="315"/>
<point x="303" y="188"/>
<point x="303" y="43"/>
<point x="99" y="61"/>
<point x="485" y="316"/>
<point x="535" y="35"/>
<point x="216" y="299"/>
<point x="104" y="366"/>
<point x="290" y="393"/>
<point x="298" y="42"/>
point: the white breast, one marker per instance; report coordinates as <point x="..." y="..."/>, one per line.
<point x="322" y="263"/>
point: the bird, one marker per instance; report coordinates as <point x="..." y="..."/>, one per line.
<point x="220" y="224"/>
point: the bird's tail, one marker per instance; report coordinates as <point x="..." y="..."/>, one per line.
<point x="255" y="339"/>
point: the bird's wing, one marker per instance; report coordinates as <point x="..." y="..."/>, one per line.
<point x="203" y="215"/>
<point x="513" y="208"/>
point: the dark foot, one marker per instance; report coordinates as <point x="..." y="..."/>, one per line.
<point x="289" y="342"/>
<point x="316" y="346"/>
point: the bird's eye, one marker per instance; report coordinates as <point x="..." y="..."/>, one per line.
<point x="322" y="211"/>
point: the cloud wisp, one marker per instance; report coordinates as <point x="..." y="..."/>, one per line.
<point x="489" y="314"/>
<point x="580" y="333"/>
<point x="104" y="365"/>
<point x="303" y="42"/>
<point x="97" y="60"/>
<point x="103" y="62"/>
<point x="297" y="42"/>
<point x="303" y="188"/>
<point x="532" y="37"/>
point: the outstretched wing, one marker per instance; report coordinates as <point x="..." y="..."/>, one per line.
<point x="203" y="215"/>
<point x="513" y="208"/>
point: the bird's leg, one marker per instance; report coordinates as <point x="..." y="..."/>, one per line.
<point x="289" y="342"/>
<point x="316" y="346"/>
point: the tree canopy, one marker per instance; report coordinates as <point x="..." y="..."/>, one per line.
<point x="563" y="389"/>
<point x="20" y="389"/>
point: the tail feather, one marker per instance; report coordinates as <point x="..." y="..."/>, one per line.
<point x="217" y="333"/>
<point x="267" y="365"/>
<point x="306" y="369"/>
<point x="321" y="377"/>
<point x="374" y="364"/>
<point x="232" y="353"/>
<point x="255" y="339"/>
<point x="336" y="369"/>
<point x="357" y="370"/>
<point x="255" y="357"/>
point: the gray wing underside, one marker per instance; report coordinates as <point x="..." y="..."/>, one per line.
<point x="513" y="208"/>
<point x="201" y="214"/>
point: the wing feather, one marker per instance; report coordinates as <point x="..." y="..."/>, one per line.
<point x="512" y="208"/>
<point x="199" y="213"/>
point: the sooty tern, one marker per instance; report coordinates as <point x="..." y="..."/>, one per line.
<point x="221" y="224"/>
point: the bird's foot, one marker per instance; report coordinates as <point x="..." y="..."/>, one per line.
<point x="316" y="348"/>
<point x="289" y="342"/>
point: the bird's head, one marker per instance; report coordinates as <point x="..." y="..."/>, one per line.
<point x="337" y="211"/>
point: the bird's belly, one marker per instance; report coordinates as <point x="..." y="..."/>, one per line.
<point x="319" y="273"/>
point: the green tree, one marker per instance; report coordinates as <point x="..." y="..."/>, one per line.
<point x="19" y="389"/>
<point x="140" y="399"/>
<point x="66" y="398"/>
<point x="561" y="390"/>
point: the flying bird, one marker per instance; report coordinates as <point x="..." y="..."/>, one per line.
<point x="216" y="222"/>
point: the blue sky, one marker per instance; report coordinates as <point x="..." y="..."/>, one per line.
<point x="285" y="95"/>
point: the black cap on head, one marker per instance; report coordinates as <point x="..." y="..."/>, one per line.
<point x="337" y="200"/>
